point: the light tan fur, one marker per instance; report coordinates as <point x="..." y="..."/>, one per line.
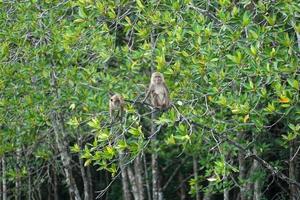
<point x="158" y="91"/>
<point x="116" y="107"/>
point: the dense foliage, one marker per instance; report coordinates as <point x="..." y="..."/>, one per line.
<point x="232" y="69"/>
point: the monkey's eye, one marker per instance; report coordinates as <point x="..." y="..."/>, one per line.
<point x="111" y="99"/>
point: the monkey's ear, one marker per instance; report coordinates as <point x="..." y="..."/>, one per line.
<point x="110" y="93"/>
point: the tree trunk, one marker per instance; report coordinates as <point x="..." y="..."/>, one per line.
<point x="29" y="184"/>
<point x="64" y="154"/>
<point x="226" y="190"/>
<point x="154" y="166"/>
<point x="18" y="177"/>
<point x="49" y="189"/>
<point x="1" y="179"/>
<point x="60" y="136"/>
<point x="156" y="189"/>
<point x="292" y="172"/>
<point x="195" y="168"/>
<point x="4" y="186"/>
<point x="228" y="159"/>
<point x="249" y="185"/>
<point x="242" y="173"/>
<point x="207" y="196"/>
<point x="39" y="192"/>
<point x="257" y="184"/>
<point x="133" y="183"/>
<point x="138" y="168"/>
<point x="90" y="181"/>
<point x="54" y="182"/>
<point x="84" y="175"/>
<point x="182" y="186"/>
<point x="147" y="178"/>
<point x="85" y="180"/>
<point x="124" y="174"/>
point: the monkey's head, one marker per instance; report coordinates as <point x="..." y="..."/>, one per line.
<point x="157" y="78"/>
<point x="116" y="100"/>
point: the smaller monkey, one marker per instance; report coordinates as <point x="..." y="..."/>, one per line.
<point x="116" y="107"/>
<point x="158" y="91"/>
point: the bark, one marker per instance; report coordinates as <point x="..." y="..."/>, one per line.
<point x="4" y="186"/>
<point x="156" y="188"/>
<point x="18" y="177"/>
<point x="242" y="177"/>
<point x="298" y="40"/>
<point x="49" y="183"/>
<point x="242" y="172"/>
<point x="90" y="181"/>
<point x="1" y="179"/>
<point x="60" y="136"/>
<point x="39" y="192"/>
<point x="207" y="196"/>
<point x="257" y="183"/>
<point x="226" y="194"/>
<point x="84" y="176"/>
<point x="133" y="183"/>
<point x="154" y="166"/>
<point x="124" y="174"/>
<point x="226" y="190"/>
<point x="160" y="194"/>
<point x="182" y="186"/>
<point x="292" y="172"/>
<point x="29" y="188"/>
<point x="64" y="154"/>
<point x="249" y="185"/>
<point x="55" y="192"/>
<point x="195" y="168"/>
<point x="127" y="174"/>
<point x="139" y="176"/>
<point x="147" y="179"/>
<point x="85" y="180"/>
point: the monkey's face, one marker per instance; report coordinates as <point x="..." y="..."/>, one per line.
<point x="115" y="101"/>
<point x="157" y="79"/>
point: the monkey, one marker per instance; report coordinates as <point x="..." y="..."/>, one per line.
<point x="158" y="91"/>
<point x="116" y="107"/>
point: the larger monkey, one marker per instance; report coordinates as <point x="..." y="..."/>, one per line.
<point x="158" y="91"/>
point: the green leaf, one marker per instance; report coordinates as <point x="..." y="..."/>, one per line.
<point x="79" y="20"/>
<point x="103" y="136"/>
<point x="294" y="83"/>
<point x="82" y="13"/>
<point x="87" y="162"/>
<point x="270" y="108"/>
<point x="271" y="19"/>
<point x="253" y="50"/>
<point x="140" y="5"/>
<point x="75" y="148"/>
<point x="170" y="140"/>
<point x="73" y="122"/>
<point x="137" y="132"/>
<point x="246" y="19"/>
<point x="94" y="123"/>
